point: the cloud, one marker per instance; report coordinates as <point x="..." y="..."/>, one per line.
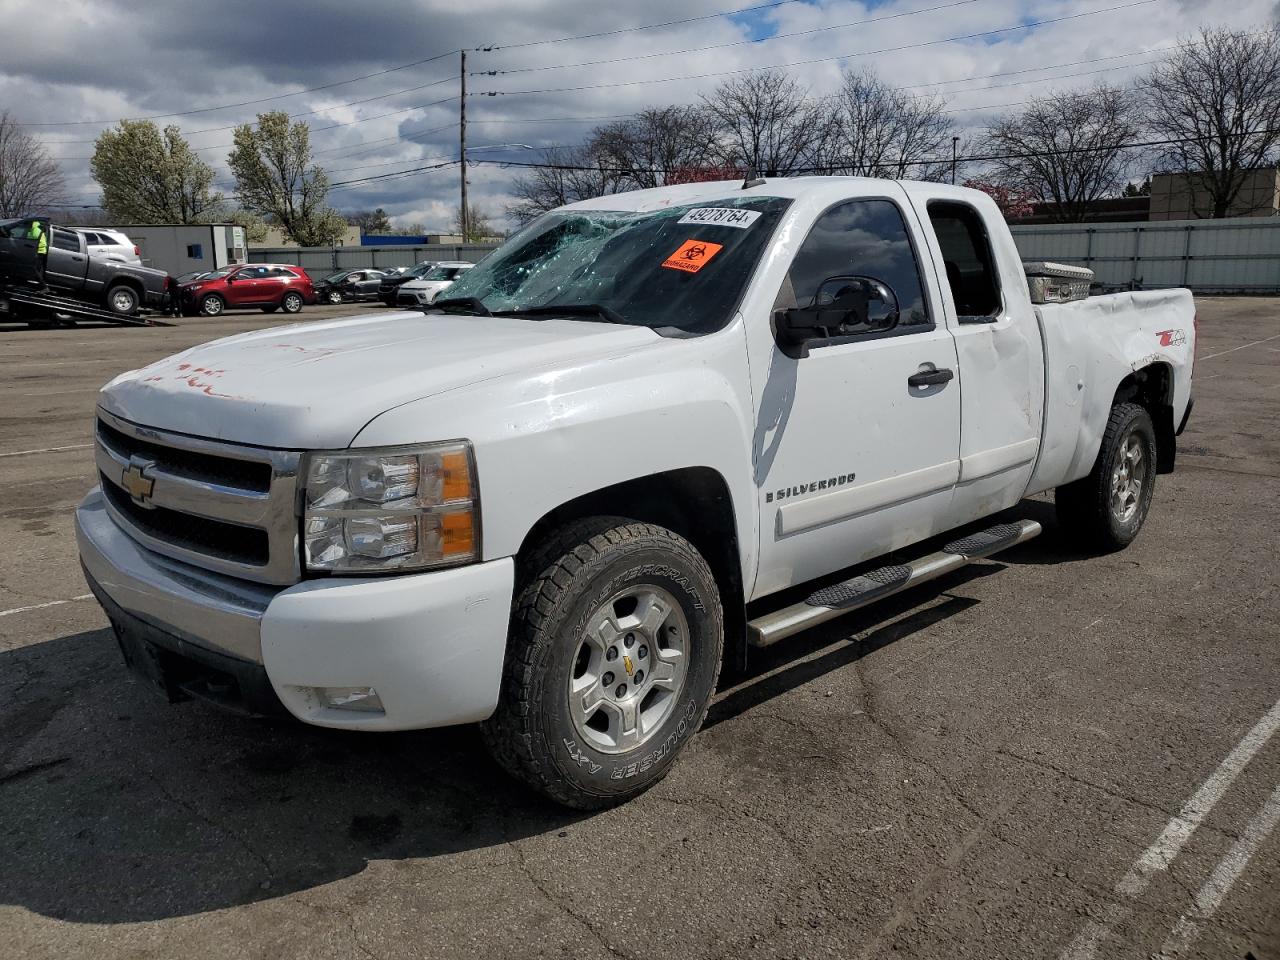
<point x="106" y="59"/>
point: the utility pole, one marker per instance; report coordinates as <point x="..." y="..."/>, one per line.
<point x="462" y="145"/>
<point x="955" y="145"/>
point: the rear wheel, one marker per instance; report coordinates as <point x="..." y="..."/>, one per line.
<point x="123" y="300"/>
<point x="1106" y="509"/>
<point x="291" y="302"/>
<point x="212" y="305"/>
<point x="614" y="653"/>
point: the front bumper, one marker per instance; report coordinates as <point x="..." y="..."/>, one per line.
<point x="430" y="644"/>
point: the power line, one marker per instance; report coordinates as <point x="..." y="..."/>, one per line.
<point x="846" y="56"/>
<point x="731" y="43"/>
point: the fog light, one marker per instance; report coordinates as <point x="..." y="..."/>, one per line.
<point x="360" y="699"/>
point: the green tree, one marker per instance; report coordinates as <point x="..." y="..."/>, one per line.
<point x="152" y="176"/>
<point x="276" y="180"/>
<point x="370" y="221"/>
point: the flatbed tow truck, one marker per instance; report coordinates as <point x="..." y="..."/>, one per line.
<point x="40" y="308"/>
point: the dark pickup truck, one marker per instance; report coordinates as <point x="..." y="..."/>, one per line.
<point x="122" y="288"/>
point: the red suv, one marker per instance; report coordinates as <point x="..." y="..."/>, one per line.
<point x="268" y="286"/>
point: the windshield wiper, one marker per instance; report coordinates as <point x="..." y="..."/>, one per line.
<point x="474" y="304"/>
<point x="599" y="310"/>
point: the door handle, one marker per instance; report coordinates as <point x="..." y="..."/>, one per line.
<point x="931" y="378"/>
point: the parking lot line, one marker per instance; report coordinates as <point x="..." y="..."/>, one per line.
<point x="42" y="606"/>
<point x="1244" y="346"/>
<point x="1175" y="835"/>
<point x="24" y="453"/>
<point x="1224" y="876"/>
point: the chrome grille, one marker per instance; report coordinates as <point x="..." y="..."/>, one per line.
<point x="221" y="506"/>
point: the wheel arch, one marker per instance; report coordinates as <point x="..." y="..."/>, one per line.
<point x="694" y="502"/>
<point x="1151" y="387"/>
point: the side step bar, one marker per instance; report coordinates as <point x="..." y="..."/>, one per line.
<point x="841" y="598"/>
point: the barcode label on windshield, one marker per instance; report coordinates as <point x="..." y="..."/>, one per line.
<point x="721" y="217"/>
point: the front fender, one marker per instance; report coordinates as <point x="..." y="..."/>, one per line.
<point x="543" y="439"/>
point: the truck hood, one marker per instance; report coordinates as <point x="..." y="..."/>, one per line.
<point x="314" y="386"/>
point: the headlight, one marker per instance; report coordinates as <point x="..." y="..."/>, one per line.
<point x="402" y="508"/>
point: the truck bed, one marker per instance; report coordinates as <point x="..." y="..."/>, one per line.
<point x="1089" y="346"/>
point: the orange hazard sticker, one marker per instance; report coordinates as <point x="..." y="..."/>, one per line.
<point x="692" y="255"/>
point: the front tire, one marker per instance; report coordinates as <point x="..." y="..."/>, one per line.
<point x="212" y="305"/>
<point x="615" y="649"/>
<point x="123" y="300"/>
<point x="291" y="302"/>
<point x="1105" y="510"/>
<point x="334" y="296"/>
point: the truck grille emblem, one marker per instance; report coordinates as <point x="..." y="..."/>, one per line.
<point x="136" y="481"/>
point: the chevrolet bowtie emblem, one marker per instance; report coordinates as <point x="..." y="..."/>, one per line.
<point x="137" y="482"/>
<point x="626" y="662"/>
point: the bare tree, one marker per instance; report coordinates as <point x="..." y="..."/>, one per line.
<point x="30" y="180"/>
<point x="564" y="176"/>
<point x="765" y="122"/>
<point x="646" y="147"/>
<point x="874" y="129"/>
<point x="1219" y="97"/>
<point x="1067" y="149"/>
<point x="478" y="224"/>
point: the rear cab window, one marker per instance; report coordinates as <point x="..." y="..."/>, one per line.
<point x="968" y="259"/>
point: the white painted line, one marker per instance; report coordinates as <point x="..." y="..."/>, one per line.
<point x="24" y="453"/>
<point x="1175" y="835"/>
<point x="43" y="606"/>
<point x="1187" y="930"/>
<point x="1223" y="353"/>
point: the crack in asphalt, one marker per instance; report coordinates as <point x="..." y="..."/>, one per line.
<point x="564" y="908"/>
<point x="210" y="821"/>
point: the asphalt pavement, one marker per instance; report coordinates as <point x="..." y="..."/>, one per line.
<point x="1043" y="755"/>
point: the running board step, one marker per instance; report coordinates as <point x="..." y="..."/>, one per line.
<point x="857" y="592"/>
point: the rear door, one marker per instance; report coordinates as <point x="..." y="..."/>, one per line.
<point x="68" y="261"/>
<point x="1001" y="360"/>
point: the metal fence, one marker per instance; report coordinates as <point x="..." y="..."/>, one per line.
<point x="322" y="261"/>
<point x="1239" y="255"/>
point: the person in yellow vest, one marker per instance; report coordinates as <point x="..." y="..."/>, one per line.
<point x="39" y="232"/>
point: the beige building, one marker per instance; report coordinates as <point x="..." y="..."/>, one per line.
<point x="1172" y="196"/>
<point x="276" y="238"/>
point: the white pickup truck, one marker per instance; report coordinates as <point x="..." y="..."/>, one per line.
<point x="546" y="502"/>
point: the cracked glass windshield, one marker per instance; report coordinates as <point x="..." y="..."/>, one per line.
<point x="680" y="268"/>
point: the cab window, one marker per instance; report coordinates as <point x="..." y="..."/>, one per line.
<point x="65" y="240"/>
<point x="967" y="256"/>
<point x="858" y="239"/>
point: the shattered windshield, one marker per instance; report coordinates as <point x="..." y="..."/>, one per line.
<point x="681" y="267"/>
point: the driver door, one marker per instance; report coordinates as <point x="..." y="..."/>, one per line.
<point x="853" y="458"/>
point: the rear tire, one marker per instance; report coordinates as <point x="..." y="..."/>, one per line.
<point x="1105" y="510"/>
<point x="291" y="302"/>
<point x="123" y="300"/>
<point x="212" y="305"/>
<point x="606" y="601"/>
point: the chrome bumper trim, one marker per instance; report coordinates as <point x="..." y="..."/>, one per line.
<point x="219" y="613"/>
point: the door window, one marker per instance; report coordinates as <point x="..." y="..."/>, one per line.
<point x="860" y="238"/>
<point x="966" y="253"/>
<point x="65" y="240"/>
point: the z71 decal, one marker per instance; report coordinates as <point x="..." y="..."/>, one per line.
<point x="1171" y="338"/>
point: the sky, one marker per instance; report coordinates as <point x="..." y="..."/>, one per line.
<point x="73" y="68"/>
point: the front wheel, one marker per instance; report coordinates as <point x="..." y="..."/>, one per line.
<point x="291" y="302"/>
<point x="615" y="648"/>
<point x="1106" y="509"/>
<point x="212" y="305"/>
<point x="334" y="296"/>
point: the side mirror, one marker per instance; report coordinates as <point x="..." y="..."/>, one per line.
<point x="841" y="306"/>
